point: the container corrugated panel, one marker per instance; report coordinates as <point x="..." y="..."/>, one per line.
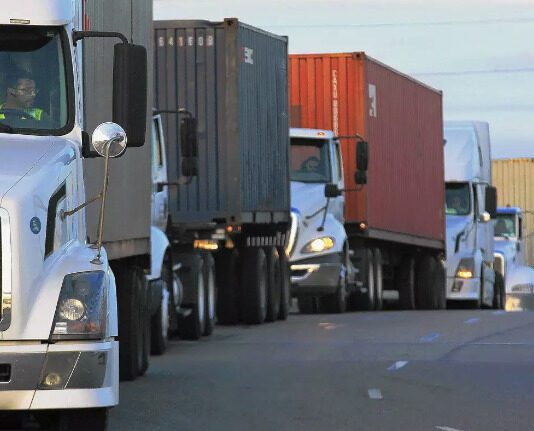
<point x="514" y="179"/>
<point x="352" y="94"/>
<point x="233" y="79"/>
<point x="128" y="214"/>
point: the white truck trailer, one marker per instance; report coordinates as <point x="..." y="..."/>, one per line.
<point x="59" y="327"/>
<point x="471" y="203"/>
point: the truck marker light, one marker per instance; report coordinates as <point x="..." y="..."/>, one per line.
<point x="362" y="226"/>
<point x="321" y="134"/>
<point x="52" y="379"/>
<point x="19" y="21"/>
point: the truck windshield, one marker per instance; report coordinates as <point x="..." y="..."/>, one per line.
<point x="458" y="198"/>
<point x="504" y="225"/>
<point x="310" y="160"/>
<point x="33" y="80"/>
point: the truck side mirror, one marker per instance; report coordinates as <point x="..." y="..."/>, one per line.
<point x="362" y="156"/>
<point x="491" y="201"/>
<point x="188" y="137"/>
<point x="189" y="147"/>
<point x="360" y="177"/>
<point x="332" y="191"/>
<point x="130" y="91"/>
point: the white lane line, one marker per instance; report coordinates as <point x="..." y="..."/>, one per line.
<point x="473" y="320"/>
<point x="375" y="394"/>
<point x="397" y="365"/>
<point x="429" y="338"/>
<point x="447" y="429"/>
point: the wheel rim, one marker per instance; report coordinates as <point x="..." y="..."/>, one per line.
<point x="201" y="302"/>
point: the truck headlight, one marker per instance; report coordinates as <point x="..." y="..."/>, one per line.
<point x="81" y="310"/>
<point x="466" y="268"/>
<point x="318" y="245"/>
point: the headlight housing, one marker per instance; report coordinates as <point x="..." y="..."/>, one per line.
<point x="466" y="268"/>
<point x="81" y="311"/>
<point x="319" y="245"/>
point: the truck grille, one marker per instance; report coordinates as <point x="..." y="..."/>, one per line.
<point x="498" y="263"/>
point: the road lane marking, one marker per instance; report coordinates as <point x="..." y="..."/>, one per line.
<point x="472" y="320"/>
<point x="499" y="312"/>
<point x="447" y="429"/>
<point x="397" y="365"/>
<point x="429" y="338"/>
<point x="375" y="394"/>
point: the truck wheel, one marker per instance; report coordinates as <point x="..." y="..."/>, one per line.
<point x="209" y="293"/>
<point x="336" y="303"/>
<point x="378" y="278"/>
<point x="160" y="321"/>
<point x="365" y="300"/>
<point x="425" y="272"/>
<point x="130" y="286"/>
<point x="227" y="277"/>
<point x="285" y="280"/>
<point x="83" y="420"/>
<point x="253" y="285"/>
<point x="404" y="280"/>
<point x="499" y="294"/>
<point x="144" y="315"/>
<point x="307" y="304"/>
<point x="274" y="287"/>
<point x="192" y="326"/>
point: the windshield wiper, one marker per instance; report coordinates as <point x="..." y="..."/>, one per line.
<point x="5" y="128"/>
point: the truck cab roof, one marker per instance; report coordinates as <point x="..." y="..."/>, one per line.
<point x="42" y="12"/>
<point x="509" y="210"/>
<point x="311" y="133"/>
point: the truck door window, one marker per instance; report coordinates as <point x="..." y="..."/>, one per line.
<point x="35" y="80"/>
<point x="504" y="226"/>
<point x="457" y="199"/>
<point x="310" y="160"/>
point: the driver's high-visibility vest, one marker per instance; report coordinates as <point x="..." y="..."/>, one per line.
<point x="36" y="113"/>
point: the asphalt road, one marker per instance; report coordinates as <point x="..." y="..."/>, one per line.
<point x="447" y="370"/>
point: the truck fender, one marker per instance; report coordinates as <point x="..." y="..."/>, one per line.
<point x="159" y="244"/>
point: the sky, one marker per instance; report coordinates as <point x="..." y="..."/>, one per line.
<point x="479" y="53"/>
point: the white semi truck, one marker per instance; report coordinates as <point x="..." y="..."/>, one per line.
<point x="471" y="203"/>
<point x="59" y="321"/>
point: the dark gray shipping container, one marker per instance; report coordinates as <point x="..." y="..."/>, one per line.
<point x="233" y="79"/>
<point x="128" y="207"/>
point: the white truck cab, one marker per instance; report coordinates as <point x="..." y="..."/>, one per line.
<point x="470" y="205"/>
<point x="59" y="353"/>
<point x="318" y="247"/>
<point x="510" y="259"/>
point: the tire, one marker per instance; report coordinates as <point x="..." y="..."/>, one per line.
<point x="82" y="420"/>
<point x="480" y="303"/>
<point x="378" y="279"/>
<point x="364" y="300"/>
<point x="227" y="265"/>
<point x="146" y="333"/>
<point x="337" y="302"/>
<point x="307" y="304"/>
<point x="405" y="282"/>
<point x="192" y="326"/>
<point x="210" y="294"/>
<point x="274" y="285"/>
<point x="253" y="285"/>
<point x="160" y="322"/>
<point x="285" y="278"/>
<point x="425" y="272"/>
<point x="130" y="287"/>
<point x="499" y="294"/>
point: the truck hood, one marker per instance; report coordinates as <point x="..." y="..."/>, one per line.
<point x="307" y="198"/>
<point x="18" y="155"/>
<point x="507" y="247"/>
<point x="455" y="225"/>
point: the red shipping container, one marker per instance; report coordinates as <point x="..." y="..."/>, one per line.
<point x="401" y="118"/>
